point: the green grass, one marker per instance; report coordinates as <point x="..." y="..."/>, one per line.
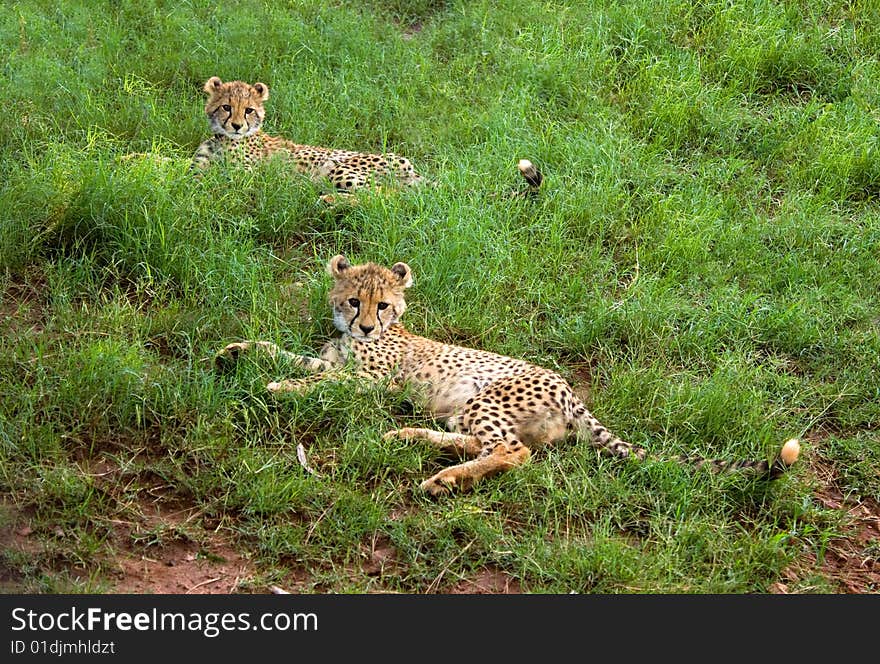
<point x="703" y="263"/>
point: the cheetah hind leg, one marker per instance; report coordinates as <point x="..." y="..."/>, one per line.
<point x="590" y="429"/>
<point x="495" y="458"/>
<point x="460" y="443"/>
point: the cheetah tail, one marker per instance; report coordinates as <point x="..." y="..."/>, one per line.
<point x="786" y="458"/>
<point x="532" y="175"/>
<point x="590" y="430"/>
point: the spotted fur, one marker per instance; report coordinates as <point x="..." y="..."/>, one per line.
<point x="497" y="409"/>
<point x="236" y="112"/>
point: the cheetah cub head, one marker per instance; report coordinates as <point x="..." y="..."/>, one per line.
<point x="235" y="109"/>
<point x="367" y="298"/>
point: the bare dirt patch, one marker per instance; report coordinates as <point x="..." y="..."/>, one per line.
<point x="488" y="581"/>
<point x="23" y="305"/>
<point x="381" y="558"/>
<point x="15" y="539"/>
<point x="16" y="531"/>
<point x="850" y="562"/>
<point x="155" y="544"/>
<point x="161" y="543"/>
<point x="184" y="568"/>
<point x="163" y="549"/>
<point x="412" y="30"/>
<point x="582" y="379"/>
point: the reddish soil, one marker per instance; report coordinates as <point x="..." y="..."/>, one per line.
<point x="380" y="559"/>
<point x="183" y="568"/>
<point x="488" y="581"/>
<point x="850" y="562"/>
<point x="209" y="566"/>
<point x="161" y="546"/>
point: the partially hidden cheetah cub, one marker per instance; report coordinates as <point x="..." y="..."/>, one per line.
<point x="235" y="110"/>
<point x="497" y="409"/>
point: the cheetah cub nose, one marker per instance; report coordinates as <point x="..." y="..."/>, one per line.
<point x="366" y="329"/>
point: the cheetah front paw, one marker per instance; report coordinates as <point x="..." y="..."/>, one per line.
<point x="300" y="386"/>
<point x="401" y="434"/>
<point x="337" y="199"/>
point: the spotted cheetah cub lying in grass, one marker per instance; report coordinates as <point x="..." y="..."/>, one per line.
<point x="236" y="112"/>
<point x="497" y="409"/>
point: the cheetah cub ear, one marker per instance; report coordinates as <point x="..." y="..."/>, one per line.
<point x="213" y="84"/>
<point x="337" y="265"/>
<point x="262" y="90"/>
<point x="402" y="270"/>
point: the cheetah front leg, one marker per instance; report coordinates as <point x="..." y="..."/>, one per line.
<point x="460" y="443"/>
<point x="339" y="197"/>
<point x="204" y="155"/>
<point x="321" y="367"/>
<point x="495" y="458"/>
<point x="232" y="352"/>
<point x="330" y="366"/>
<point x="297" y="385"/>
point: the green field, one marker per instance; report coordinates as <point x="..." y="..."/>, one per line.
<point x="703" y="265"/>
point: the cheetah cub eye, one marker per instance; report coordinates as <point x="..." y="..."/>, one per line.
<point x="354" y="302"/>
<point x="382" y="306"/>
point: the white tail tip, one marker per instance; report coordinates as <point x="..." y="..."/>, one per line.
<point x="530" y="173"/>
<point x="790" y="451"/>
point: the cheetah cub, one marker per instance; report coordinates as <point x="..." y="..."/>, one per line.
<point x="235" y="110"/>
<point x="497" y="409"/>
